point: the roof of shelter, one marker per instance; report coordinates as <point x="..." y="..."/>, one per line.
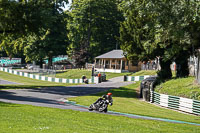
<point x="112" y="54"/>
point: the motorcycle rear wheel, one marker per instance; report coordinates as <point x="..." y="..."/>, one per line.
<point x="102" y="108"/>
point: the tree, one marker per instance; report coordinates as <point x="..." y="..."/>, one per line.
<point x="137" y="35"/>
<point x="35" y="27"/>
<point x="25" y="16"/>
<point x="177" y="18"/>
<point x="158" y="28"/>
<point x="53" y="42"/>
<point x="95" y="23"/>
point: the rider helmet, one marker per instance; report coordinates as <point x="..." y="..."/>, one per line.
<point x="109" y="94"/>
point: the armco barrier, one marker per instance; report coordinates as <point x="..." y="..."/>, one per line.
<point x="136" y="78"/>
<point x="50" y="79"/>
<point x="174" y="102"/>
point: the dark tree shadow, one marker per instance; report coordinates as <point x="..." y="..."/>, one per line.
<point x="9" y="96"/>
<point x="7" y="87"/>
<point x="120" y="92"/>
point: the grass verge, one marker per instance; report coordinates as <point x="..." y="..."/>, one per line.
<point x="126" y="101"/>
<point x="183" y="87"/>
<point x="76" y="73"/>
<point x="29" y="119"/>
<point x="144" y="72"/>
<point x="26" y="82"/>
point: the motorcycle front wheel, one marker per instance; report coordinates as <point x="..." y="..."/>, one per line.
<point x="91" y="108"/>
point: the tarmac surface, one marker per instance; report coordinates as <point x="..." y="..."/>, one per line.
<point x="5" y="82"/>
<point x="53" y="96"/>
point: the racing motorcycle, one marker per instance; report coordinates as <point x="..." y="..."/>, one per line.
<point x="101" y="106"/>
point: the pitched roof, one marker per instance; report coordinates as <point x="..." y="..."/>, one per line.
<point x="112" y="54"/>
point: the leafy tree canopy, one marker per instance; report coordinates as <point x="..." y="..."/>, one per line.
<point x="36" y="28"/>
<point x="94" y="23"/>
<point x="160" y="28"/>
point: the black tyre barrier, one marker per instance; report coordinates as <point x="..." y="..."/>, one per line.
<point x="145" y="86"/>
<point x="125" y="78"/>
<point x="103" y="78"/>
<point x="146" y="94"/>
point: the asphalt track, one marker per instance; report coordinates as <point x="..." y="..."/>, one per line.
<point x="52" y="96"/>
<point x="55" y="97"/>
<point x="5" y="82"/>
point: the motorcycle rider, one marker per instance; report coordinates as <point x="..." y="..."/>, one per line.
<point x="107" y="98"/>
<point x="85" y="80"/>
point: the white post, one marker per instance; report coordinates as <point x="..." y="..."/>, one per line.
<point x="110" y="64"/>
<point x="104" y="64"/>
<point x="95" y="63"/>
<point x="96" y="80"/>
<point x="115" y="64"/>
<point x="121" y="65"/>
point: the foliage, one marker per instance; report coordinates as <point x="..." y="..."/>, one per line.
<point x="24" y="16"/>
<point x="52" y="41"/>
<point x="32" y="27"/>
<point x="93" y="26"/>
<point x="135" y="34"/>
<point x="163" y="29"/>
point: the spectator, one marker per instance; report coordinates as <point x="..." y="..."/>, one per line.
<point x="85" y="80"/>
<point x="148" y="63"/>
<point x="99" y="75"/>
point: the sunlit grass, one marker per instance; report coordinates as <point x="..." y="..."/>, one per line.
<point x="144" y="72"/>
<point x="183" y="87"/>
<point x="78" y="73"/>
<point x="29" y="119"/>
<point x="125" y="100"/>
<point x="25" y="82"/>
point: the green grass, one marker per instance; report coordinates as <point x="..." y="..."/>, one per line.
<point x="29" y="119"/>
<point x="112" y="75"/>
<point x="34" y="83"/>
<point x="139" y="73"/>
<point x="25" y="82"/>
<point x="76" y="73"/>
<point x="148" y="72"/>
<point x="183" y="87"/>
<point x="144" y="72"/>
<point x="126" y="101"/>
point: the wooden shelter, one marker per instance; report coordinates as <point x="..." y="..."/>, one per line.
<point x="115" y="61"/>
